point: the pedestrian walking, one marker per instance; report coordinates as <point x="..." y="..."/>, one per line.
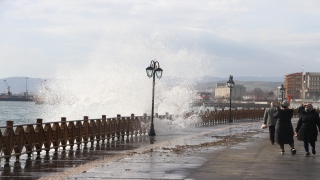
<point x="284" y="129"/>
<point x="307" y="128"/>
<point x="300" y="109"/>
<point x="270" y="121"/>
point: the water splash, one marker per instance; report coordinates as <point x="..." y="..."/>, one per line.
<point x="113" y="79"/>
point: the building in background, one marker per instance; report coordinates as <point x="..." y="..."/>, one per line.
<point x="304" y="86"/>
<point x="311" y="85"/>
<point x="223" y="91"/>
<point x="293" y="85"/>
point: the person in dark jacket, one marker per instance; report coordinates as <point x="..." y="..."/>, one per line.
<point x="307" y="128"/>
<point x="284" y="129"/>
<point x="300" y="109"/>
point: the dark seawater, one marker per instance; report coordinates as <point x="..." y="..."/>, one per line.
<point x="19" y="112"/>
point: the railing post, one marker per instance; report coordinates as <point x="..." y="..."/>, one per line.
<point x="30" y="138"/>
<point x="112" y="128"/>
<point x="98" y="131"/>
<point x="127" y="123"/>
<point x="118" y="126"/>
<point x="103" y="127"/>
<point x="85" y="130"/>
<point x="71" y="134"/>
<point x="63" y="132"/>
<point x="79" y="133"/>
<point x="48" y="137"/>
<point x="19" y="141"/>
<point x="92" y="132"/>
<point x="123" y="127"/>
<point x="56" y="136"/>
<point x="137" y="126"/>
<point x="109" y="130"/>
<point x="39" y="136"/>
<point x="131" y="124"/>
<point x="8" y="139"/>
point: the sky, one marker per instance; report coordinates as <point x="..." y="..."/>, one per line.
<point x="217" y="38"/>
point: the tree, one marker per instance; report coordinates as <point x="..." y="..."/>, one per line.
<point x="258" y="93"/>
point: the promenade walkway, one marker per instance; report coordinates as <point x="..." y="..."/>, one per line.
<point x="226" y="151"/>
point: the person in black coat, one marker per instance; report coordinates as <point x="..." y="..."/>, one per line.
<point x="307" y="128"/>
<point x="300" y="109"/>
<point x="284" y="129"/>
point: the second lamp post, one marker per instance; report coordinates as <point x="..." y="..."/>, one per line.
<point x="230" y="84"/>
<point x="152" y="71"/>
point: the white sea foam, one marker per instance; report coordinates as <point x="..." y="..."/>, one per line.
<point x="113" y="80"/>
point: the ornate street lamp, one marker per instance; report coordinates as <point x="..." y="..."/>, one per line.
<point x="282" y="90"/>
<point x="152" y="71"/>
<point x="230" y="84"/>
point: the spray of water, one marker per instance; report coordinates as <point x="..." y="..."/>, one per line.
<point x="113" y="80"/>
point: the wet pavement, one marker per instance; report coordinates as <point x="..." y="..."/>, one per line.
<point x="226" y="151"/>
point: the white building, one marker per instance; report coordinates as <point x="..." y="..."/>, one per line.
<point x="311" y="85"/>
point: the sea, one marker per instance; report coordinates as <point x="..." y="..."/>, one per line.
<point x="28" y="112"/>
<point x="19" y="112"/>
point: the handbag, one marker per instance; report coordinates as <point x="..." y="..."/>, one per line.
<point x="264" y="126"/>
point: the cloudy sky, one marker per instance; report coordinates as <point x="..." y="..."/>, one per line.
<point x="217" y="37"/>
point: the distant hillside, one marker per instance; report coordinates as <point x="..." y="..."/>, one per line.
<point x="265" y="86"/>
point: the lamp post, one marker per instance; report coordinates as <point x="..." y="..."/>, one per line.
<point x="230" y="84"/>
<point x="282" y="89"/>
<point x="152" y="71"/>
